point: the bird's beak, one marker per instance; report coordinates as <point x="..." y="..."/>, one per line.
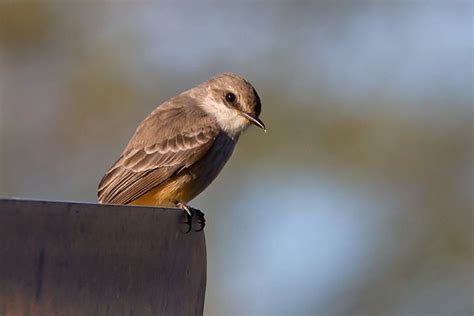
<point x="254" y="120"/>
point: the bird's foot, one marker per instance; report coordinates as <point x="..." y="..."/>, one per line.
<point x="190" y="213"/>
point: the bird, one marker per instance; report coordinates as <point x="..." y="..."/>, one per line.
<point x="182" y="145"/>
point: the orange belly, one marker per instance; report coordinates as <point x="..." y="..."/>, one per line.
<point x="176" y="189"/>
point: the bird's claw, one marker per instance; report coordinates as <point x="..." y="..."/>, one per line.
<point x="200" y="219"/>
<point x="189" y="213"/>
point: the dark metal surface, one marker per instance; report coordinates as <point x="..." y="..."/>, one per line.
<point x="61" y="258"/>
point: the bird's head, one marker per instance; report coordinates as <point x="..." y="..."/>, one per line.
<point x="233" y="101"/>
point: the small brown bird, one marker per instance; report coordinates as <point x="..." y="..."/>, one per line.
<point x="180" y="148"/>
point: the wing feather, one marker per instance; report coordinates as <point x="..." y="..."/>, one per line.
<point x="170" y="139"/>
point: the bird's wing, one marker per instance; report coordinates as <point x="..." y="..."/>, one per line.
<point x="170" y="139"/>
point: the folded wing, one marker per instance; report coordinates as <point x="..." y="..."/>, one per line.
<point x="171" y="139"/>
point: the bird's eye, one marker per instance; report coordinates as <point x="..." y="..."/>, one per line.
<point x="230" y="97"/>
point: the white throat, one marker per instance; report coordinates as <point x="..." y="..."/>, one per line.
<point x="229" y="119"/>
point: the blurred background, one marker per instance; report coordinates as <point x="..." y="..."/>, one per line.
<point x="358" y="200"/>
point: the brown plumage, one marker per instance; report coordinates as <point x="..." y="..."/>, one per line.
<point x="182" y="145"/>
